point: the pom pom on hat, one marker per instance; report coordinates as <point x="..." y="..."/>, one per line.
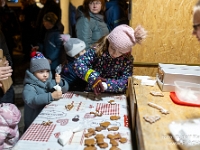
<point x="38" y="62"/>
<point x="73" y="46"/>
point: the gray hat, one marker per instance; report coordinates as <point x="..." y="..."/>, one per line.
<point x="39" y="62"/>
<point x="74" y="46"/>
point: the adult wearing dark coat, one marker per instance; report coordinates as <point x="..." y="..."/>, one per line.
<point x="116" y="13"/>
<point x="49" y="6"/>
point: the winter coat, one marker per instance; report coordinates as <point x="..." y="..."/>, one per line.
<point x="49" y="6"/>
<point x="115" y="14"/>
<point x="9" y="119"/>
<point x="37" y="94"/>
<point x="90" y="31"/>
<point x="115" y="70"/>
<point x="51" y="48"/>
<point x="10" y="26"/>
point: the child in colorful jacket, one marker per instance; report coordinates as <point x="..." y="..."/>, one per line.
<point x="74" y="48"/>
<point x="9" y="119"/>
<point x="110" y="60"/>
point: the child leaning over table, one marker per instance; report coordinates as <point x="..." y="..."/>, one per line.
<point x="39" y="88"/>
<point x="110" y="60"/>
<point x="9" y="119"/>
<point x="74" y="48"/>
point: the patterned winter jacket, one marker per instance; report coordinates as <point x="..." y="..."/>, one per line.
<point x="115" y="70"/>
<point x="9" y="119"/>
<point x="90" y="31"/>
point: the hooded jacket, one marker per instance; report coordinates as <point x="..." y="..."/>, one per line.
<point x="9" y="119"/>
<point x="90" y="31"/>
<point x="37" y="94"/>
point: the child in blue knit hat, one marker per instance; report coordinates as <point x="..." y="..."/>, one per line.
<point x="39" y="87"/>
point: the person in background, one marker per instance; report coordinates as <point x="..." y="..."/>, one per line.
<point x="27" y="18"/>
<point x="74" y="48"/>
<point x="110" y="60"/>
<point x="72" y="20"/>
<point x="6" y="72"/>
<point x="9" y="25"/>
<point x="52" y="44"/>
<point x="196" y="20"/>
<point x="9" y="118"/>
<point x="48" y="6"/>
<point x="116" y="13"/>
<point x="90" y="25"/>
<point x="39" y="88"/>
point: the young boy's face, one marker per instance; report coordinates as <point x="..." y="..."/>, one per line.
<point x="47" y="24"/>
<point x="42" y="75"/>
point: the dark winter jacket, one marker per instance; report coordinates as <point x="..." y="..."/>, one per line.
<point x="49" y="6"/>
<point x="115" y="14"/>
<point x="51" y="47"/>
<point x="90" y="31"/>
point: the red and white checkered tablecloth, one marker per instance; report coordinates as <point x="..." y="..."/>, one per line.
<point x="40" y="137"/>
<point x="38" y="132"/>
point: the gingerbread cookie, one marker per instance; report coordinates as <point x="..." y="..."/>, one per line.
<point x="123" y="140"/>
<point x="113" y="128"/>
<point x="151" y="119"/>
<point x="115" y="136"/>
<point x="104" y="145"/>
<point x="98" y="129"/>
<point x="114" y="142"/>
<point x="90" y="133"/>
<point x="112" y="102"/>
<point x="99" y="136"/>
<point x="90" y="148"/>
<point x="105" y="124"/>
<point x="69" y="107"/>
<point x="114" y="117"/>
<point x="90" y="142"/>
<point x="114" y="148"/>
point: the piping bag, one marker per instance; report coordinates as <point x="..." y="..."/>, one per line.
<point x="58" y="71"/>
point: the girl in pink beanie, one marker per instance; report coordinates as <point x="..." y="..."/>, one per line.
<point x="108" y="64"/>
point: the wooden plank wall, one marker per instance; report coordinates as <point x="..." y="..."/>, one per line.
<point x="169" y="40"/>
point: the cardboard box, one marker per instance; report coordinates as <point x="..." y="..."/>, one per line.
<point x="168" y="73"/>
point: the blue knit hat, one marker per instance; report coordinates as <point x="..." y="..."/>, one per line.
<point x="39" y="62"/>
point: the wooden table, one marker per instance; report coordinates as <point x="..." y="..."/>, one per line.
<point x="41" y="137"/>
<point x="156" y="136"/>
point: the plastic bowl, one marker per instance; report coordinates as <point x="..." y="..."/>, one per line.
<point x="187" y="91"/>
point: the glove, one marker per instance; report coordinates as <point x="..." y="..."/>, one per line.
<point x="98" y="86"/>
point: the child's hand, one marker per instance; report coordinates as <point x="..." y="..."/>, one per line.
<point x="56" y="95"/>
<point x="57" y="78"/>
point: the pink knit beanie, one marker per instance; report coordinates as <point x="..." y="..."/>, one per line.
<point x="122" y="38"/>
